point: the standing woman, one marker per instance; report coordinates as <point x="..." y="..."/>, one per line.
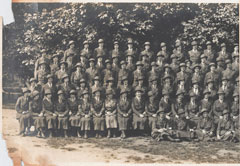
<point x="110" y="106"/>
<point x="48" y="110"/>
<point x="23" y="115"/>
<point x="85" y="111"/>
<point x="62" y="111"/>
<point x="73" y="112"/>
<point x="124" y="112"/>
<point x="35" y="109"/>
<point x="97" y="110"/>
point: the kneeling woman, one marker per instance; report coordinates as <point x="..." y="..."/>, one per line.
<point x="73" y="112"/>
<point x="85" y="111"/>
<point x="35" y="108"/>
<point x="48" y="110"/>
<point x="124" y="112"/>
<point x="61" y="110"/>
<point x="110" y="106"/>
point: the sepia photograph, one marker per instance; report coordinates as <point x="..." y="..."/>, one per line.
<point x="121" y="84"/>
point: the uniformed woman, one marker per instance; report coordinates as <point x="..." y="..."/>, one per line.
<point x="110" y="106"/>
<point x="23" y="114"/>
<point x="73" y="112"/>
<point x="97" y="110"/>
<point x="219" y="105"/>
<point x="205" y="127"/>
<point x="235" y="113"/>
<point x="192" y="113"/>
<point x="138" y="108"/>
<point x="151" y="109"/>
<point x="35" y="109"/>
<point x="205" y="103"/>
<point x="61" y="109"/>
<point x="225" y="129"/>
<point x="84" y="109"/>
<point x="81" y="88"/>
<point x="48" y="109"/>
<point x="124" y="112"/>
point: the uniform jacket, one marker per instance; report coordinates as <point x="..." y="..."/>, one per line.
<point x="151" y="108"/>
<point x="124" y="107"/>
<point x="110" y="105"/>
<point x="97" y="107"/>
<point x="61" y="108"/>
<point x="218" y="108"/>
<point x="22" y="104"/>
<point x="206" y="124"/>
<point x="138" y="106"/>
<point x="84" y="108"/>
<point x="35" y="106"/>
<point x="194" y="56"/>
<point x="73" y="106"/>
<point x="47" y="107"/>
<point x="165" y="107"/>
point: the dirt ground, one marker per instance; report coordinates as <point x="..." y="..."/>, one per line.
<point x="135" y="150"/>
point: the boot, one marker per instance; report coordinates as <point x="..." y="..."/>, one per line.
<point x="114" y="133"/>
<point x="78" y="134"/>
<point x="42" y="133"/>
<point x="50" y="133"/>
<point x="39" y="135"/>
<point x="85" y="135"/>
<point x="65" y="134"/>
<point x="123" y="134"/>
<point x="99" y="134"/>
<point x="109" y="133"/>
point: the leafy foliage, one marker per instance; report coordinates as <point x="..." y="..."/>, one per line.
<point x="51" y="26"/>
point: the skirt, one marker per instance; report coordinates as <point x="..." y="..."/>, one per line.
<point x="39" y="121"/>
<point x="63" y="123"/>
<point x="226" y="135"/>
<point x="203" y="136"/>
<point x="179" y="123"/>
<point x="111" y="121"/>
<point x="138" y="122"/>
<point x="75" y="121"/>
<point x="123" y="122"/>
<point x="24" y="121"/>
<point x="85" y="123"/>
<point x="152" y="122"/>
<point x="99" y="123"/>
<point x="51" y="122"/>
<point x="192" y="122"/>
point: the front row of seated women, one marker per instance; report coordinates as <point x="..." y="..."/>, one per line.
<point x="164" y="120"/>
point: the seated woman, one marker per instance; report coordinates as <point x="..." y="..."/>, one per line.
<point x="205" y="127"/>
<point x="151" y="109"/>
<point x="124" y="112"/>
<point x="138" y="108"/>
<point x="225" y="129"/>
<point x="97" y="110"/>
<point x="235" y="113"/>
<point x="35" y="109"/>
<point x="48" y="110"/>
<point x="110" y="106"/>
<point x="84" y="110"/>
<point x="61" y="109"/>
<point x="192" y="114"/>
<point x="73" y="112"/>
<point x="23" y="114"/>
